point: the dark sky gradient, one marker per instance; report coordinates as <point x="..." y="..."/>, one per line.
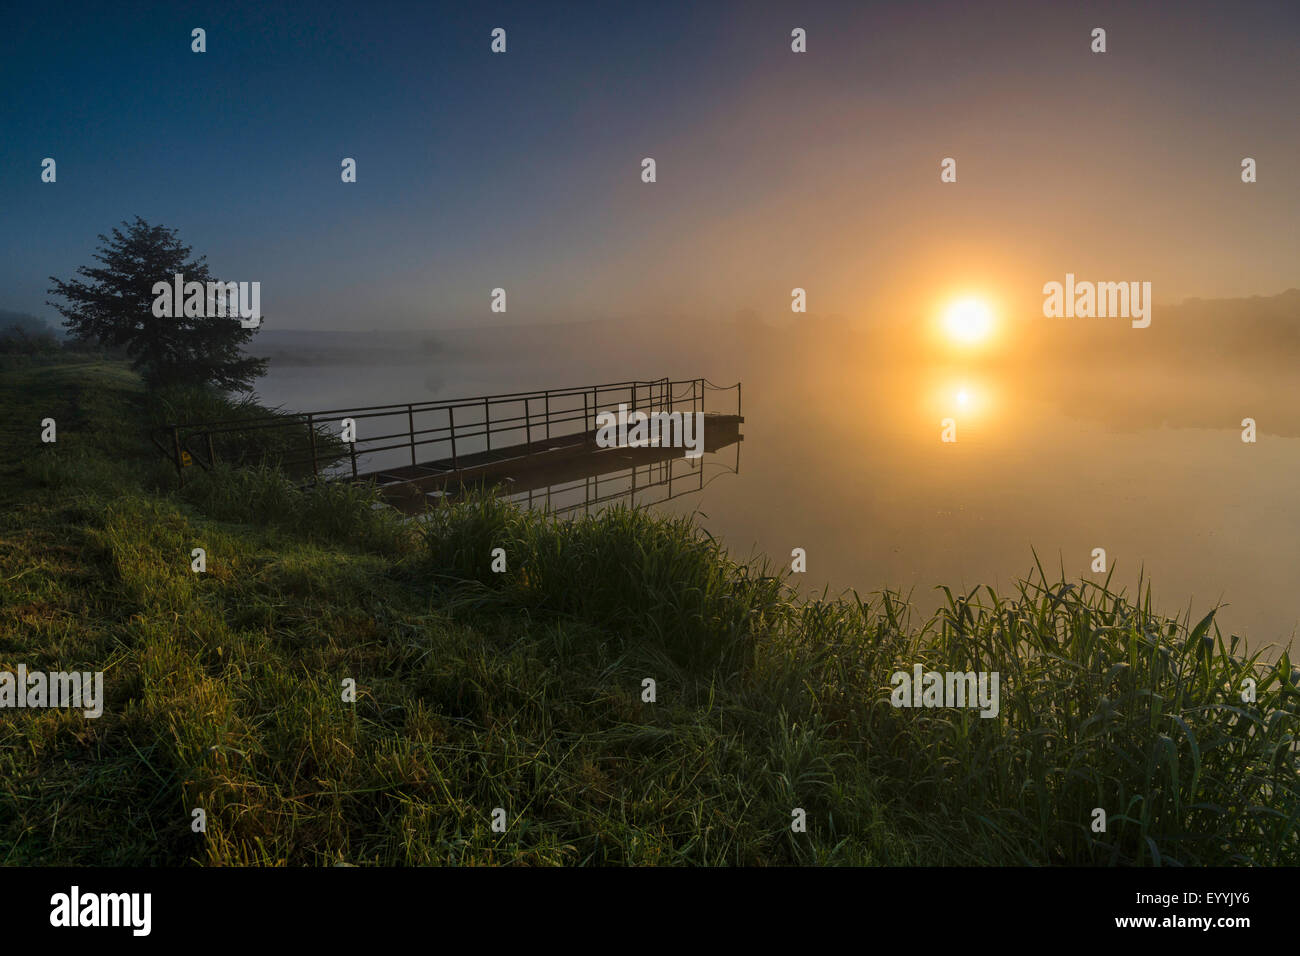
<point x="775" y="170"/>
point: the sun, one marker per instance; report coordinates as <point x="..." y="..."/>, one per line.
<point x="968" y="321"/>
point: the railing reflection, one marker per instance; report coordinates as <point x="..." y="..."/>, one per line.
<point x="640" y="486"/>
<point x="640" y="477"/>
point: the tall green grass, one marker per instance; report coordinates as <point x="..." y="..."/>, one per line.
<point x="647" y="579"/>
<point x="1105" y="703"/>
<point x="524" y="689"/>
<point x="326" y="512"/>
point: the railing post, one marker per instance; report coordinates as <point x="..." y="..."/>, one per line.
<point x="528" y="428"/>
<point x="586" y="432"/>
<point x="176" y="450"/>
<point x="451" y="429"/>
<point x="738" y="412"/>
<point x="311" y="430"/>
<point x="410" y="420"/>
<point x="702" y="396"/>
<point x="548" y="414"/>
<point x="487" y="422"/>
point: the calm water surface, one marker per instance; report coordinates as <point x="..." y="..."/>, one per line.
<point x="849" y="466"/>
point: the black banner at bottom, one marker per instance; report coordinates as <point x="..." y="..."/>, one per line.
<point x="335" y="906"/>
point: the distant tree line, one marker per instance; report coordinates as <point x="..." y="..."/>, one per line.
<point x="24" y="334"/>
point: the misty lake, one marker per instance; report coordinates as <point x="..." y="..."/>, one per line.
<point x="845" y="460"/>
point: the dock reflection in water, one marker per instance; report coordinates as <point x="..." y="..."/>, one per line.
<point x="586" y="482"/>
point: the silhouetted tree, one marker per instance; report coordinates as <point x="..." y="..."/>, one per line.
<point x="115" y="308"/>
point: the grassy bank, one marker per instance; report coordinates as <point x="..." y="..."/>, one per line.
<point x="523" y="690"/>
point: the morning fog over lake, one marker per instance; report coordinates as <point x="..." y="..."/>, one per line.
<point x="1072" y="434"/>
